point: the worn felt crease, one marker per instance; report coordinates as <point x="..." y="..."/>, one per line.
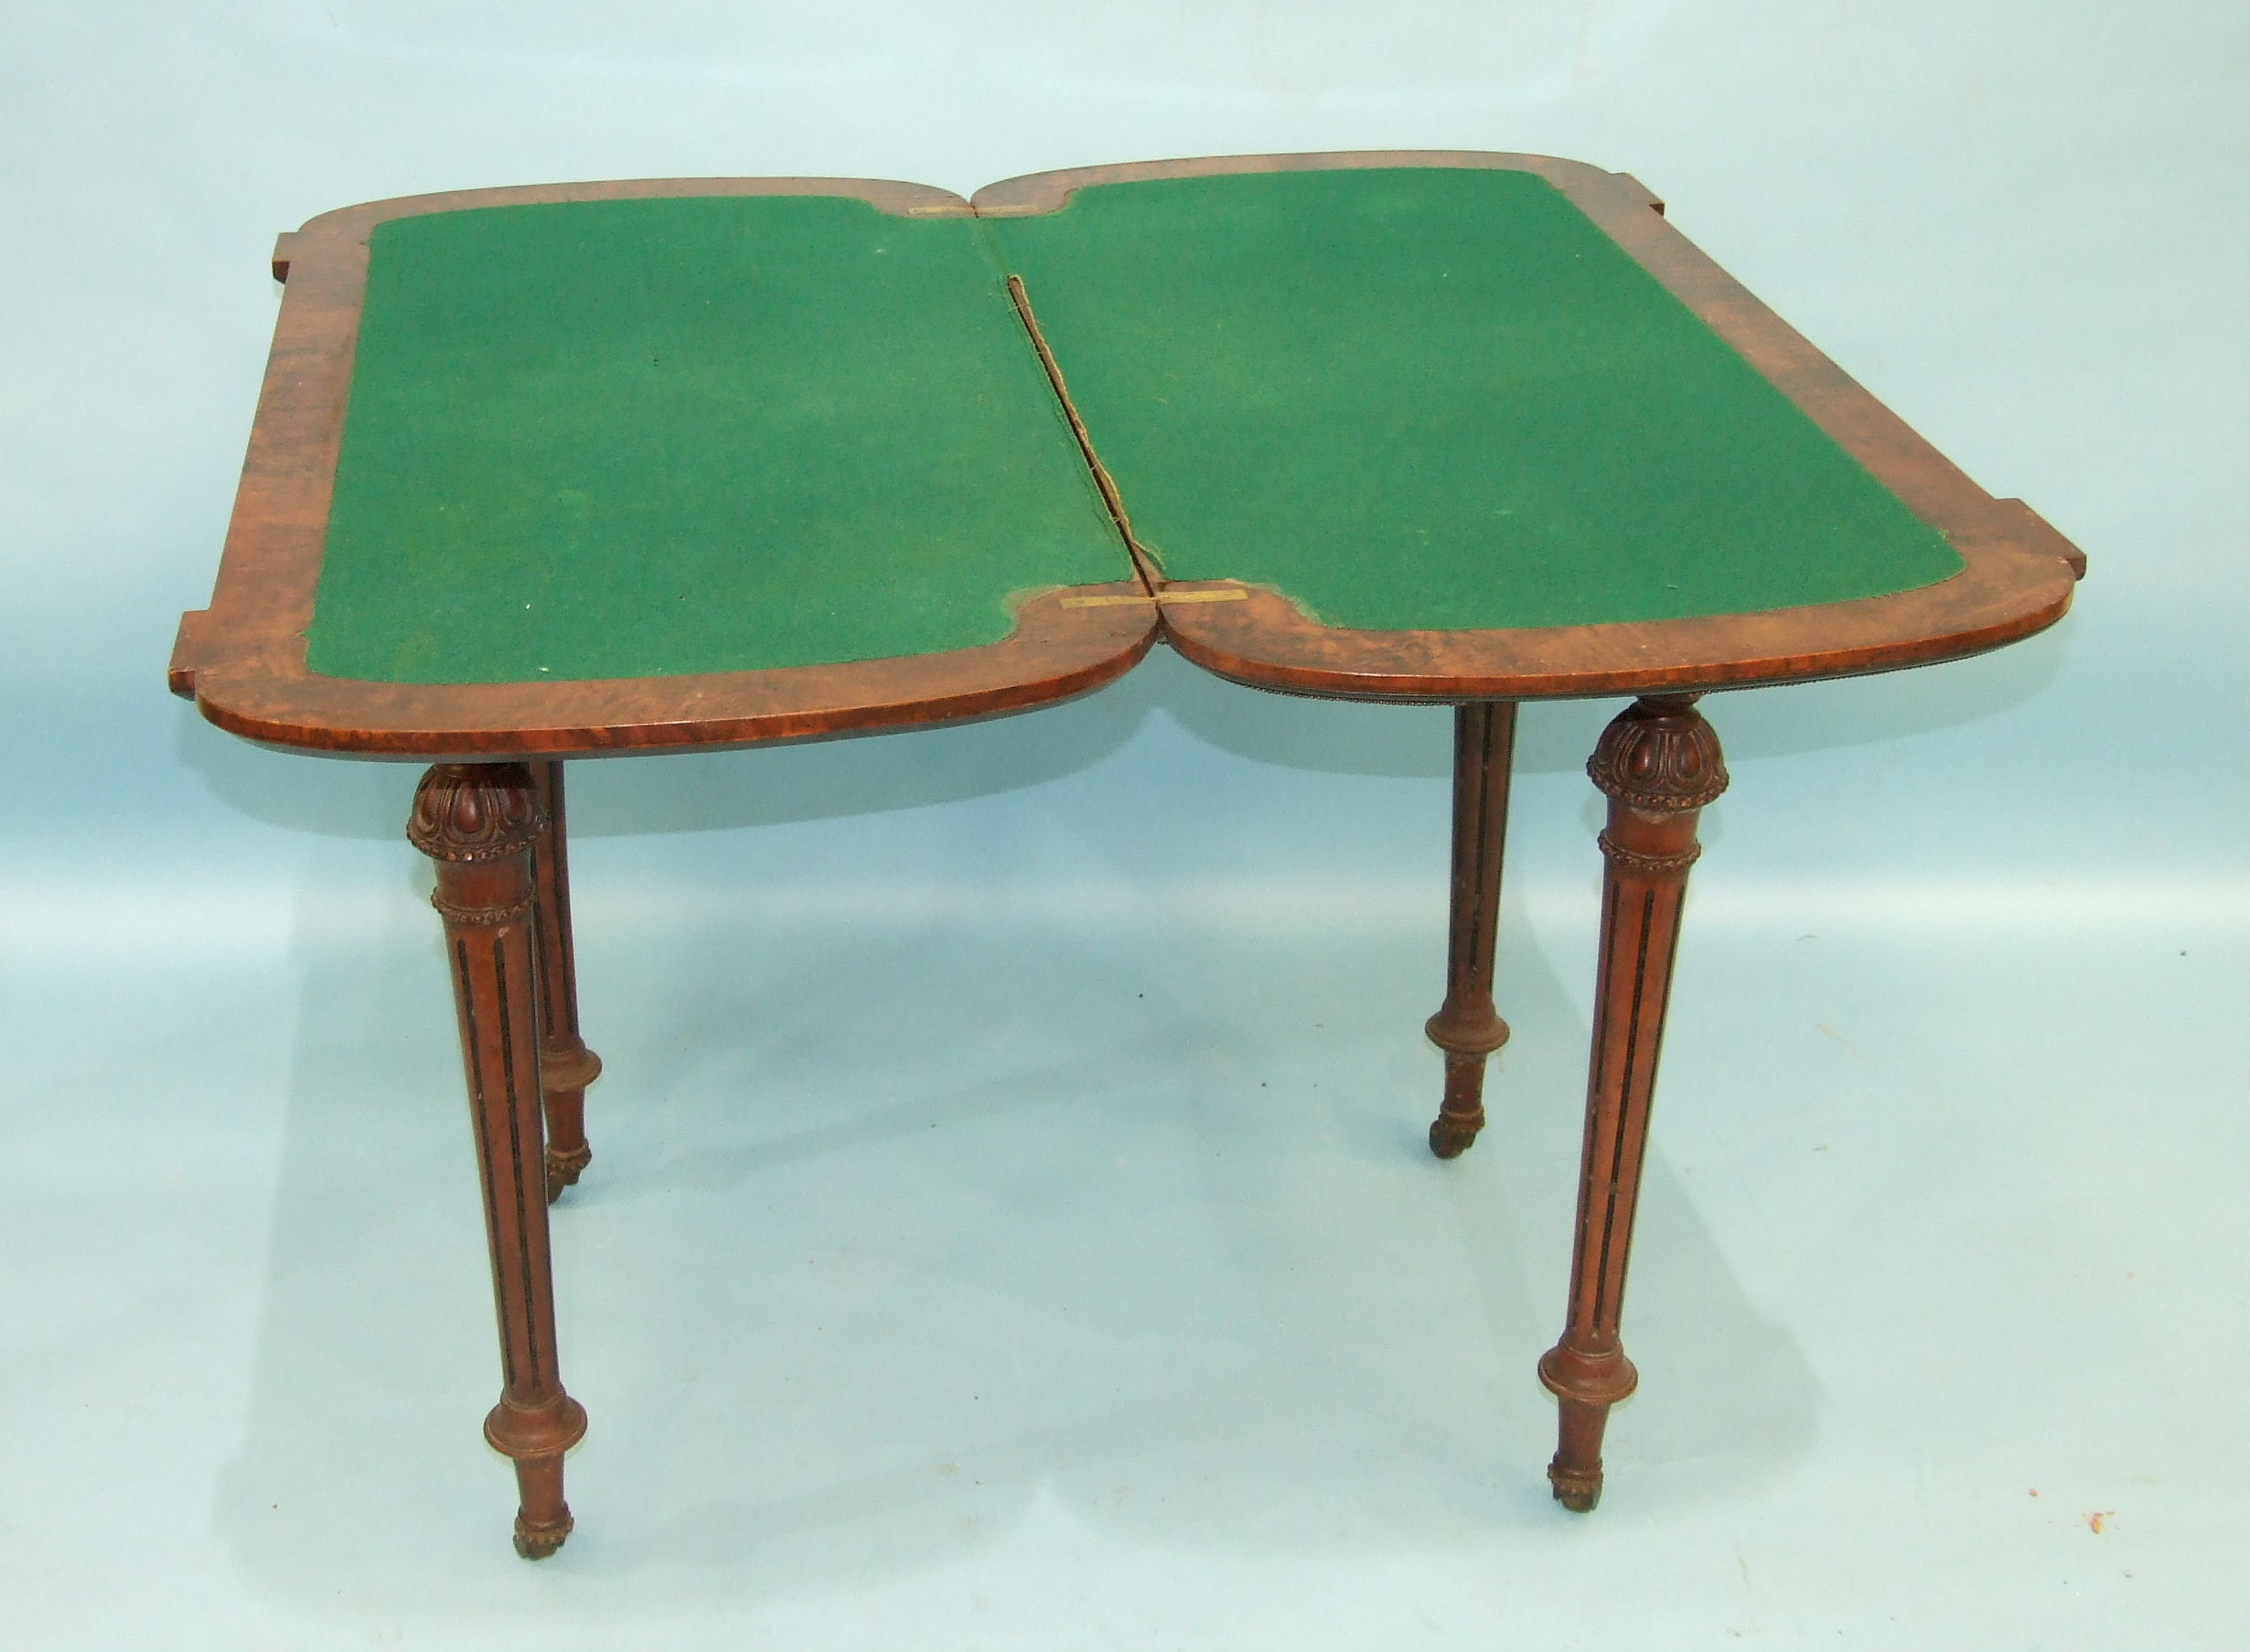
<point x="1148" y="567"/>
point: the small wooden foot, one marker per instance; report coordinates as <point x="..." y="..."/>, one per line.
<point x="565" y="1064"/>
<point x="1451" y="1131"/>
<point x="1576" y="1472"/>
<point x="1468" y="1028"/>
<point x="564" y="1166"/>
<point x="542" y="1518"/>
<point x="1579" y="1493"/>
<point x="1660" y="764"/>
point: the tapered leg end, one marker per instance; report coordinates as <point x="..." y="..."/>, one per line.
<point x="1466" y="1026"/>
<point x="1576" y="1471"/>
<point x="542" y="1517"/>
<point x="565" y="1067"/>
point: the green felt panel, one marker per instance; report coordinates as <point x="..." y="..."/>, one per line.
<point x="642" y="438"/>
<point x="1441" y="398"/>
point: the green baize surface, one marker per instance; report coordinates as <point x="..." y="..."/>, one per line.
<point x="635" y="438"/>
<point x="1439" y="398"/>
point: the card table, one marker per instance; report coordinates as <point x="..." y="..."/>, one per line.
<point x="546" y="473"/>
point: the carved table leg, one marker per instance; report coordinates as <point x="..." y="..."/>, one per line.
<point x="565" y="1064"/>
<point x="478" y="821"/>
<point x="1467" y="1028"/>
<point x="1660" y="764"/>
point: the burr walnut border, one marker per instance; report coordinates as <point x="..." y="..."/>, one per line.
<point x="243" y="659"/>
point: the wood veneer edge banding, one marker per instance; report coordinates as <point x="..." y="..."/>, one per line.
<point x="1388" y="665"/>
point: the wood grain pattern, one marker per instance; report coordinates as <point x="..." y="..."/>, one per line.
<point x="262" y="690"/>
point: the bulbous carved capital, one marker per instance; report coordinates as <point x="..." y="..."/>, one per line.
<point x="1658" y="754"/>
<point x="474" y="812"/>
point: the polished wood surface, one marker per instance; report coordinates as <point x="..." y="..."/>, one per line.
<point x="565" y="1064"/>
<point x="497" y="832"/>
<point x="1467" y="1026"/>
<point x="243" y="659"/>
<point x="1660" y="764"/>
<point x="478" y="823"/>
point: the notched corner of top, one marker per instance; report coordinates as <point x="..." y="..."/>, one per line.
<point x="2037" y="533"/>
<point x="1654" y="201"/>
<point x="180" y="673"/>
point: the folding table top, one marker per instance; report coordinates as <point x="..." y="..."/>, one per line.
<point x="707" y="462"/>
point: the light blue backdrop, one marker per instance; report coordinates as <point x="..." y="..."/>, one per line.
<point x="1009" y="1225"/>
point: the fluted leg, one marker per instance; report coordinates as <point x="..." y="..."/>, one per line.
<point x="565" y="1064"/>
<point x="1660" y="764"/>
<point x="1467" y="1028"/>
<point x="478" y="823"/>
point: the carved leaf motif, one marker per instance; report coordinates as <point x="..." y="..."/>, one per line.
<point x="1661" y="755"/>
<point x="474" y="812"/>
